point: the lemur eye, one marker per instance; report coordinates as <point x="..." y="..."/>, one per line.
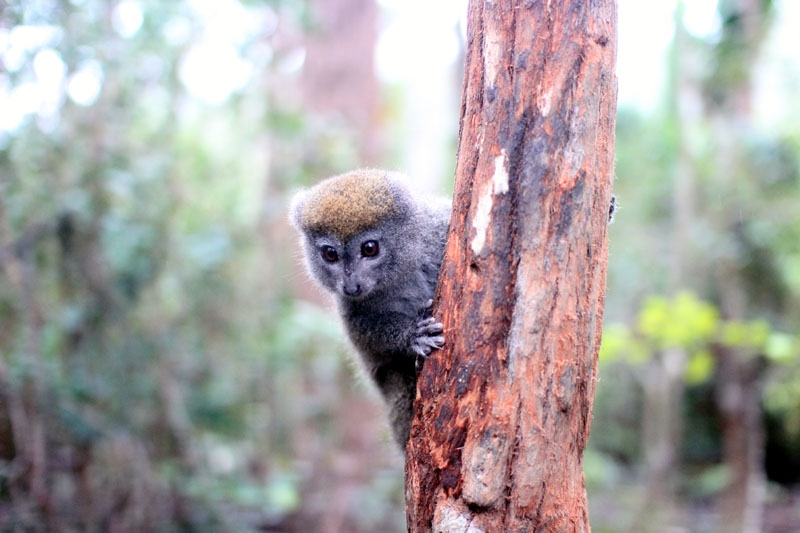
<point x="369" y="249"/>
<point x="329" y="254"/>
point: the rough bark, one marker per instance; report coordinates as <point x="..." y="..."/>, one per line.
<point x="503" y="411"/>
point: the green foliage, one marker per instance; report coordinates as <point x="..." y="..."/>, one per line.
<point x="708" y="192"/>
<point x="782" y="348"/>
<point x="736" y="333"/>
<point x="687" y="323"/>
<point x="711" y="481"/>
<point x="683" y="321"/>
<point x="782" y="398"/>
<point x="619" y="342"/>
<point x="600" y="470"/>
<point x="149" y="329"/>
<point x="699" y="367"/>
<point x="152" y="342"/>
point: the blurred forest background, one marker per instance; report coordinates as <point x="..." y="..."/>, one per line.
<point x="165" y="365"/>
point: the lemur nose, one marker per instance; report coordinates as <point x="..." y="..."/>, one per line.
<point x="351" y="289"/>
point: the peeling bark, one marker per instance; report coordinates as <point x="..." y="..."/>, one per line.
<point x="503" y="411"/>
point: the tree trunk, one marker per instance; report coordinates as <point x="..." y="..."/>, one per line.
<point x="739" y="387"/>
<point x="739" y="377"/>
<point x="338" y="76"/>
<point x="503" y="411"/>
<point x="662" y="424"/>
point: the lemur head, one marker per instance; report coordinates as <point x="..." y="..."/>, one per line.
<point x="359" y="231"/>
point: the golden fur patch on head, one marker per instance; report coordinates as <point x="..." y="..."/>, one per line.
<point x="347" y="204"/>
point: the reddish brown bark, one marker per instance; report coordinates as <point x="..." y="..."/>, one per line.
<point x="503" y="411"/>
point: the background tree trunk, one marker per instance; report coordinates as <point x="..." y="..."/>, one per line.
<point x="504" y="410"/>
<point x="739" y="374"/>
<point x="664" y="375"/>
<point x="339" y="76"/>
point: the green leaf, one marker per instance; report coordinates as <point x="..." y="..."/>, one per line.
<point x="619" y="344"/>
<point x="739" y="334"/>
<point x="653" y="317"/>
<point x="699" y="367"/>
<point x="781" y="347"/>
<point x="682" y="322"/>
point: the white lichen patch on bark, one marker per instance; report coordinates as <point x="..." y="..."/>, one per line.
<point x="483" y="214"/>
<point x="500" y="177"/>
<point x="492" y="53"/>
<point x="544" y="102"/>
<point x="452" y="517"/>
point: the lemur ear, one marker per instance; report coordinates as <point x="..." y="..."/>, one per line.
<point x="296" y="208"/>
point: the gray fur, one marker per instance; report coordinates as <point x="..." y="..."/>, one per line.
<point x="385" y="300"/>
